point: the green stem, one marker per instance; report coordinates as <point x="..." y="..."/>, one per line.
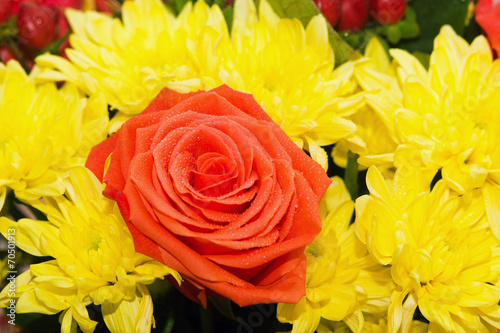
<point x="206" y="319"/>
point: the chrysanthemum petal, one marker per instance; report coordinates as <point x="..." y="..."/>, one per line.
<point x="491" y="194"/>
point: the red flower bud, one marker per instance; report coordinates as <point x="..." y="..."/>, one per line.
<point x="76" y="4"/>
<point x="330" y="10"/>
<point x="354" y="15"/>
<point x="387" y="11"/>
<point x="6" y="54"/>
<point x="103" y="6"/>
<point x="5" y="10"/>
<point x="37" y="25"/>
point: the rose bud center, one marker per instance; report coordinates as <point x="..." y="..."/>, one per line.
<point x="215" y="174"/>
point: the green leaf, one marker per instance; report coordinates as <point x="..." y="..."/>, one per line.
<point x="358" y="40"/>
<point x="54" y="46"/>
<point x="343" y="51"/>
<point x="224" y="307"/>
<point x="393" y="33"/>
<point x="220" y="3"/>
<point x="431" y="16"/>
<point x="179" y="4"/>
<point x="304" y="10"/>
<point x="351" y="175"/>
<point x="472" y="30"/>
<point x="408" y="25"/>
<point x="423" y="57"/>
<point x="405" y="28"/>
<point x="228" y="16"/>
<point x="8" y="29"/>
<point x="409" y="29"/>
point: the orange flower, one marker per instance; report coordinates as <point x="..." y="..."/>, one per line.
<point x="488" y="16"/>
<point x="214" y="189"/>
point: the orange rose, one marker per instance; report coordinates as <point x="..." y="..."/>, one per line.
<point x="488" y="16"/>
<point x="212" y="187"/>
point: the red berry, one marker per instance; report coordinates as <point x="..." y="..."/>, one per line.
<point x="103" y="6"/>
<point x="76" y="4"/>
<point x="37" y="25"/>
<point x="353" y="16"/>
<point x="6" y="54"/>
<point x="15" y="4"/>
<point x="387" y="11"/>
<point x="330" y="9"/>
<point x="5" y="10"/>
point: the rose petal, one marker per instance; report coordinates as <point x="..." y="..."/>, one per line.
<point x="166" y="99"/>
<point x="99" y="154"/>
<point x="312" y="171"/>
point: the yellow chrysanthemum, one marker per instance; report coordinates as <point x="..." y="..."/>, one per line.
<point x="288" y="69"/>
<point x="342" y="280"/>
<point x="94" y="262"/>
<point x="373" y="324"/>
<point x="446" y="117"/>
<point x="443" y="256"/>
<point x="45" y="131"/>
<point x="373" y="136"/>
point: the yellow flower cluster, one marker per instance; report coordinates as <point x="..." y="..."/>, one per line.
<point x="445" y="118"/>
<point x="441" y="238"/>
<point x="343" y="283"/>
<point x="288" y="69"/>
<point x="94" y="262"/>
<point x="443" y="256"/>
<point x="45" y="131"/>
<point x="374" y="323"/>
<point x="373" y="140"/>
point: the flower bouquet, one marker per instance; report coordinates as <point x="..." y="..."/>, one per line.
<point x="270" y="166"/>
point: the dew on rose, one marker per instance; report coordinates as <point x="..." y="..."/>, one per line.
<point x="272" y="177"/>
